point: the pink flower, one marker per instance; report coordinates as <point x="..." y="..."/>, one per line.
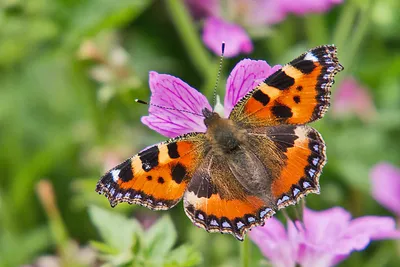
<point x="352" y="98"/>
<point x="245" y="12"/>
<point x="280" y="247"/>
<point x="172" y="92"/>
<point x="323" y="239"/>
<point x="386" y="186"/>
<point x="228" y="20"/>
<point x="203" y="9"/>
<point x="217" y="31"/>
<point x="302" y="7"/>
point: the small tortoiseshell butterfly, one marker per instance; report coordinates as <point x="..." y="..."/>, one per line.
<point x="245" y="167"/>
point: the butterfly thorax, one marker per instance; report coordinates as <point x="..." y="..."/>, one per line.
<point x="223" y="134"/>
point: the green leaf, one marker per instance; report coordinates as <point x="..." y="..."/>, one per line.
<point x="160" y="238"/>
<point x="109" y="14"/>
<point x="183" y="256"/>
<point x="103" y="248"/>
<point x="116" y="230"/>
<point x="355" y="174"/>
<point x="22" y="32"/>
<point x="17" y="249"/>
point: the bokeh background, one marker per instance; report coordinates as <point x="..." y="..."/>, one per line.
<point x="69" y="73"/>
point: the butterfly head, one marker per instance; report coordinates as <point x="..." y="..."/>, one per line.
<point x="210" y="117"/>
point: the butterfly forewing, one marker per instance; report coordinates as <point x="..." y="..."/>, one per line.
<point x="298" y="93"/>
<point x="157" y="177"/>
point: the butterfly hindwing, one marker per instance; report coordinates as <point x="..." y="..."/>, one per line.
<point x="216" y="201"/>
<point x="300" y="151"/>
<point x="157" y="177"/>
<point x="297" y="93"/>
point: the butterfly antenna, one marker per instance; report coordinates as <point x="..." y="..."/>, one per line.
<point x="219" y="73"/>
<point x="168" y="108"/>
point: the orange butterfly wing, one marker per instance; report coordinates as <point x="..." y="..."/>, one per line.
<point x="298" y="93"/>
<point x="157" y="177"/>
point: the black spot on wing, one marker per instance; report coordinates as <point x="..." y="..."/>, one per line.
<point x="126" y="173"/>
<point x="282" y="111"/>
<point x="178" y="173"/>
<point x="283" y="136"/>
<point x="312" y="135"/>
<point x="190" y="209"/>
<point x="261" y="97"/>
<point x="173" y="150"/>
<point x="149" y="158"/>
<point x="296" y="99"/>
<point x="107" y="178"/>
<point x="160" y="180"/>
<point x="201" y="185"/>
<point x="280" y="80"/>
<point x="305" y="66"/>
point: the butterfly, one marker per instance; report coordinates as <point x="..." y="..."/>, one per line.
<point x="243" y="168"/>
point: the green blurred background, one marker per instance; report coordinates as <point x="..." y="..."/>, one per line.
<point x="69" y="73"/>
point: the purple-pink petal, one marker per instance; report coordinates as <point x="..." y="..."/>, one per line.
<point x="309" y="256"/>
<point x="302" y="7"/>
<point x="385" y="180"/>
<point x="255" y="13"/>
<point x="280" y="248"/>
<point x="372" y="227"/>
<point x="330" y="236"/>
<point x="320" y="232"/>
<point x="235" y="37"/>
<point x="362" y="231"/>
<point x="352" y="98"/>
<point x="322" y="239"/>
<point x="171" y="92"/>
<point x="246" y="75"/>
<point x="203" y="8"/>
<point x="321" y="228"/>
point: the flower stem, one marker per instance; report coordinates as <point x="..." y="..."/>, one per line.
<point x="316" y="30"/>
<point x="350" y="48"/>
<point x="190" y="38"/>
<point x="6" y="216"/>
<point x="47" y="198"/>
<point x="280" y="41"/>
<point x="345" y="24"/>
<point x="360" y="30"/>
<point x="245" y="252"/>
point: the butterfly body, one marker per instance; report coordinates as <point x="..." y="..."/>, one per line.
<point x="243" y="168"/>
<point x="233" y="144"/>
